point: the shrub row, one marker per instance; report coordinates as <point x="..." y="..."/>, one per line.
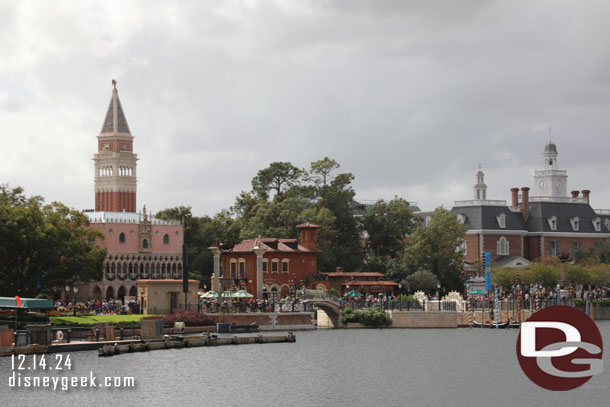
<point x="368" y="317"/>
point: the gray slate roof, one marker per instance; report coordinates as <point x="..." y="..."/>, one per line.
<point x="485" y="217"/>
<point x="540" y="212"/>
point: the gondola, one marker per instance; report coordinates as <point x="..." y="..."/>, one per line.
<point x="501" y="325"/>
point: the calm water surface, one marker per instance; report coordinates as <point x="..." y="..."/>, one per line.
<point x="391" y="367"/>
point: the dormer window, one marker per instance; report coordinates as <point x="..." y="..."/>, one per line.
<point x="501" y="220"/>
<point x="575" y="222"/>
<point x="553" y="222"/>
<point x="597" y="224"/>
<point x="607" y="223"/>
<point x="427" y="220"/>
<point x="461" y="218"/>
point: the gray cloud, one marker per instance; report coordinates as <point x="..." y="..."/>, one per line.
<point x="408" y="96"/>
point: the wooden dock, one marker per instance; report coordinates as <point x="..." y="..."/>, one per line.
<point x="192" y="341"/>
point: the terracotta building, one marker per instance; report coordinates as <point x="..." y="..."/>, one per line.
<point x="285" y="264"/>
<point x="139" y="247"/>
<point x="543" y="224"/>
<point x="364" y="283"/>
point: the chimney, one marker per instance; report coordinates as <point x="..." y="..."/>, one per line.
<point x="575" y="194"/>
<point x="585" y="194"/>
<point x="339" y="269"/>
<point x="515" y="195"/>
<point x="525" y="192"/>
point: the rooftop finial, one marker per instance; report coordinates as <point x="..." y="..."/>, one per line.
<point x="114" y="83"/>
<point x="480" y="165"/>
<point x="550" y="132"/>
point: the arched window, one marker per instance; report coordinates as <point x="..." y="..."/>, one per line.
<point x="274" y="265"/>
<point x="145" y="244"/>
<point x="502" y="247"/>
<point x="285" y="265"/>
<point x="166" y="239"/>
<point x="122" y="238"/>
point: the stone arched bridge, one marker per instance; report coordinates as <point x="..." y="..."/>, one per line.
<point x="331" y="308"/>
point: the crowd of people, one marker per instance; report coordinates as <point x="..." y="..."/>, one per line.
<point x="99" y="306"/>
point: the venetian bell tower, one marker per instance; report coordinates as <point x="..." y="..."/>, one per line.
<point x="115" y="162"/>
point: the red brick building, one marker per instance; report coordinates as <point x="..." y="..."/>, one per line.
<point x="547" y="223"/>
<point x="286" y="264"/>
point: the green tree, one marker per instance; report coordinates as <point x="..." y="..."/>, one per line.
<point x="320" y="173"/>
<point x="437" y="248"/>
<point x="600" y="252"/>
<point x="346" y="249"/>
<point x="43" y="247"/>
<point x="277" y="177"/>
<point x="387" y="225"/>
<point x="421" y="280"/>
<point x="546" y="275"/>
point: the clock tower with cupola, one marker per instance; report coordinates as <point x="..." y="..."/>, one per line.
<point x="551" y="182"/>
<point x="115" y="162"/>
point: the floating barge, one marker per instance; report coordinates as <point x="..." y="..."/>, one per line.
<point x="177" y="342"/>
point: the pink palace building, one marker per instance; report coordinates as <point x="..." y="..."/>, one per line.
<point x="139" y="247"/>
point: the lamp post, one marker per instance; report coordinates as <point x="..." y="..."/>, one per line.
<point x="141" y="300"/>
<point x="75" y="289"/>
<point x="438" y="295"/>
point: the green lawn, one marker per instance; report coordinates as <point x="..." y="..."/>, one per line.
<point x="125" y="321"/>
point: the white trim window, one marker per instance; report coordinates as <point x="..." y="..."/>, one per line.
<point x="552" y="222"/>
<point x="554" y="248"/>
<point x="502" y="247"/>
<point x="274" y="266"/>
<point x="607" y="223"/>
<point x="265" y="266"/>
<point x="575" y="222"/>
<point x="461" y="217"/>
<point x="285" y="266"/>
<point x="501" y="218"/>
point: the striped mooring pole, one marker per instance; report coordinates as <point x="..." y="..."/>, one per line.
<point x="469" y="308"/>
<point x="519" y="299"/>
<point x="497" y="310"/>
<point x="537" y="299"/>
<point x="531" y="299"/>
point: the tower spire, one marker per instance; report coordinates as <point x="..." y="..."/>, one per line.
<point x="115" y="162"/>
<point x="115" y="121"/>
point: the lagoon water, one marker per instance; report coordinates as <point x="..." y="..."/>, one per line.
<point x="385" y="367"/>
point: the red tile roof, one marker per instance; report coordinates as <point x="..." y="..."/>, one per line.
<point x="283" y="246"/>
<point x="344" y="274"/>
<point x="357" y="283"/>
<point x="308" y="225"/>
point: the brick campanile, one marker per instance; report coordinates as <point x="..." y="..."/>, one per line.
<point x="115" y="162"/>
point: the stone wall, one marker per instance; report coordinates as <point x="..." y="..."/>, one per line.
<point x="420" y="319"/>
<point x="269" y="321"/>
<point x="599" y="313"/>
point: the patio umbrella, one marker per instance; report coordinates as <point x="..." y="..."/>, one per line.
<point x="352" y="294"/>
<point x="242" y="294"/>
<point x="209" y="294"/>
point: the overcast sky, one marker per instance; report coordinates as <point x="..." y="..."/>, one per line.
<point x="408" y="96"/>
